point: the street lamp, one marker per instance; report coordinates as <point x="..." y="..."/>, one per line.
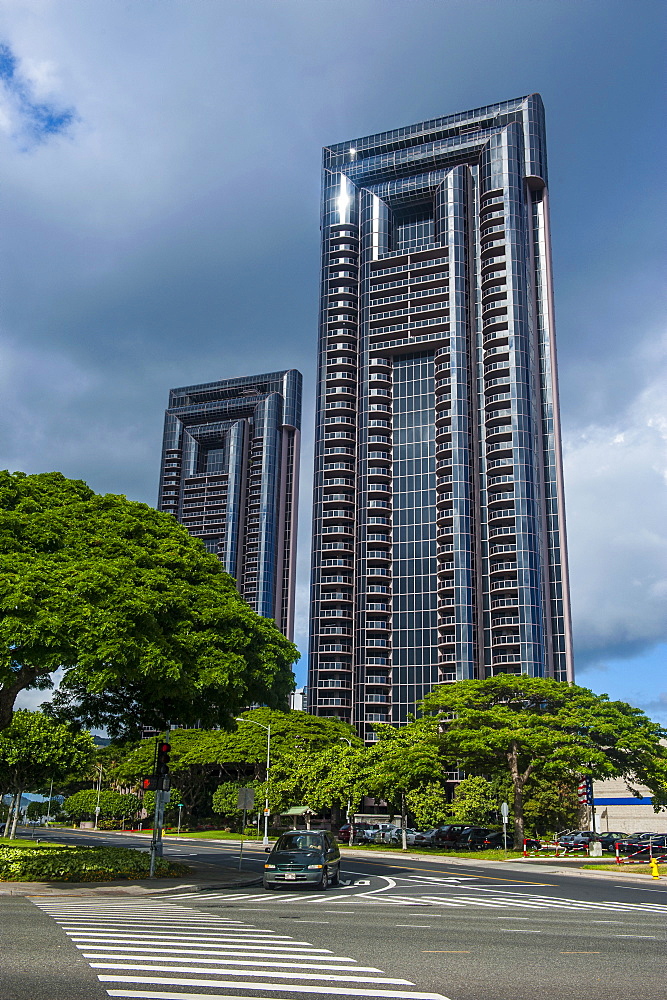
<point x="261" y="725"/>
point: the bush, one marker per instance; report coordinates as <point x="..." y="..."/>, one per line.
<point x="80" y="864"/>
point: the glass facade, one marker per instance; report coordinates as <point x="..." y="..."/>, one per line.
<point x="438" y="525"/>
<point x="230" y="474"/>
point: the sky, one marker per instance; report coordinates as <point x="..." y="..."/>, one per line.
<point x="160" y="227"/>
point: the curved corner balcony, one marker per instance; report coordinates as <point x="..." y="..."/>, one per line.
<point x="382" y="488"/>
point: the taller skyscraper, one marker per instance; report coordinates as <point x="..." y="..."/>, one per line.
<point x="438" y="530"/>
<point x="230" y="474"/>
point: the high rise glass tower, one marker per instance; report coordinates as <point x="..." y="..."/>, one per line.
<point x="230" y="474"/>
<point x="438" y="531"/>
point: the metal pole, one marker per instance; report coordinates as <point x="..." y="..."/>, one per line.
<point x="266" y="799"/>
<point x="99" y="791"/>
<point x="156" y="839"/>
<point x="242" y="835"/>
<point x="180" y="812"/>
<point x="48" y="808"/>
<point x="404" y="820"/>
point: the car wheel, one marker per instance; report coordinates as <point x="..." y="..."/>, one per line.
<point x="335" y="878"/>
<point x="324" y="881"/>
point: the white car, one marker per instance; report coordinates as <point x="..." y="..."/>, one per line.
<point x="382" y="833"/>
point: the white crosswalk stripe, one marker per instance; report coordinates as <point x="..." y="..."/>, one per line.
<point x="163" y="951"/>
<point x="455" y="897"/>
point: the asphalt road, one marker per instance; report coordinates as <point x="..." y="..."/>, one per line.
<point x="397" y="927"/>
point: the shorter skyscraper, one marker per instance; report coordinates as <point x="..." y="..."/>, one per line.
<point x="230" y="475"/>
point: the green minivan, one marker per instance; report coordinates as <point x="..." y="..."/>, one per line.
<point x="303" y="857"/>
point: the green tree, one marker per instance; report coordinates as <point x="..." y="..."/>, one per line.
<point x="113" y="805"/>
<point x="36" y="810"/>
<point x="428" y="804"/>
<point x="528" y="726"/>
<point x="474" y="800"/>
<point x="201" y="759"/>
<point x="146" y="623"/>
<point x="34" y="749"/>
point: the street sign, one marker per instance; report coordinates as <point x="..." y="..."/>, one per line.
<point x="504" y="809"/>
<point x="267" y="812"/>
<point x="246" y="798"/>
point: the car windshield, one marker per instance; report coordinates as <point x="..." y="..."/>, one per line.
<point x="300" y="842"/>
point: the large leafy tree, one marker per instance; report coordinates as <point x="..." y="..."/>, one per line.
<point x="34" y="750"/>
<point x="526" y="726"/>
<point x="146" y="624"/>
<point x="201" y="759"/>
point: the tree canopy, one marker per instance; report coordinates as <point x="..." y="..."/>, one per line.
<point x="146" y="624"/>
<point x="113" y="805"/>
<point x="535" y="726"/>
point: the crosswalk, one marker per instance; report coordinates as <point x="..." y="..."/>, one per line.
<point x="480" y="897"/>
<point x="157" y="950"/>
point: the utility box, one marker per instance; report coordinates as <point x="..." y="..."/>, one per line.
<point x="595" y="849"/>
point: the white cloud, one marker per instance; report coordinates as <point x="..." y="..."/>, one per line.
<point x="615" y="477"/>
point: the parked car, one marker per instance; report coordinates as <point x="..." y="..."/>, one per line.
<point x="446" y="836"/>
<point x="424" y="838"/>
<point x="610" y="839"/>
<point x="303" y="857"/>
<point x="384" y="833"/>
<point x="346" y="830"/>
<point x="472" y="839"/>
<point x="496" y="842"/>
<point x="578" y="838"/>
<point x="397" y="836"/>
<point x="639" y="843"/>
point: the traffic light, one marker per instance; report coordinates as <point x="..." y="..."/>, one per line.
<point x="149" y="784"/>
<point x="162" y="759"/>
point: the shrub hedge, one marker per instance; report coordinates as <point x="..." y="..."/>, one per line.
<point x="80" y="864"/>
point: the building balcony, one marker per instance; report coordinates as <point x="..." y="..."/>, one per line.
<point x="503" y="567"/>
<point x="504" y="585"/>
<point x="505" y="602"/>
<point x="496" y="337"/>
<point x="506" y="640"/>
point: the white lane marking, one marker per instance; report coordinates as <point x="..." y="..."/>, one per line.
<point x="117" y="938"/>
<point x="220" y="953"/>
<point x="251" y="972"/>
<point x="391" y="884"/>
<point x="152" y="995"/>
<point x="219" y="949"/>
<point x="239" y="961"/>
<point x="519" y="930"/>
<point x="295" y="988"/>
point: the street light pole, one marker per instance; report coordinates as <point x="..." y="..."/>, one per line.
<point x="48" y="808"/>
<point x="265" y="842"/>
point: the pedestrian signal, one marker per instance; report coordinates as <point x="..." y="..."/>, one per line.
<point x="149" y="784"/>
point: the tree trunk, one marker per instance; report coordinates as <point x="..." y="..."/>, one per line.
<point x="23" y="678"/>
<point x="518" y="784"/>
<point x="17" y="809"/>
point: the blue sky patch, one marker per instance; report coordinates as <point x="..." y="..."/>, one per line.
<point x="37" y="120"/>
